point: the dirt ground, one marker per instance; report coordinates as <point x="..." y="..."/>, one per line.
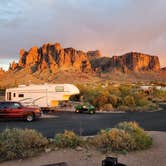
<point x="156" y="156"/>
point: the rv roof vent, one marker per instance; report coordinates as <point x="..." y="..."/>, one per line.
<point x="20" y="86"/>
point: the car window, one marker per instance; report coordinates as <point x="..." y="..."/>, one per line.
<point x="4" y="105"/>
<point x="15" y="105"/>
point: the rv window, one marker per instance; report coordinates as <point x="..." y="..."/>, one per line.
<point x="14" y="95"/>
<point x="21" y="95"/>
<point x="59" y="89"/>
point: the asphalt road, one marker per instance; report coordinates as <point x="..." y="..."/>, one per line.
<point x="85" y="124"/>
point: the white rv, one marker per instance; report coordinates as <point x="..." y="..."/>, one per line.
<point x="44" y="96"/>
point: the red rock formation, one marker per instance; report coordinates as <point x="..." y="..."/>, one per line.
<point x="52" y="57"/>
<point x="94" y="54"/>
<point x="1" y="71"/>
<point x="13" y="66"/>
<point x="129" y="62"/>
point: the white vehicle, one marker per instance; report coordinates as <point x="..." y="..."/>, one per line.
<point x="44" y="96"/>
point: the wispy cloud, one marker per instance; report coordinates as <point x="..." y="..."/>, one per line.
<point x="113" y="26"/>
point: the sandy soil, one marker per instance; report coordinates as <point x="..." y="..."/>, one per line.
<point x="156" y="156"/>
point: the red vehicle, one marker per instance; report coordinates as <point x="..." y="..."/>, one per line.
<point x="10" y="110"/>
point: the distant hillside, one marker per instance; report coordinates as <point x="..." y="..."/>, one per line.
<point x="53" y="63"/>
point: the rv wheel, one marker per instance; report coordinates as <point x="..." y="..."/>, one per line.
<point x="30" y="117"/>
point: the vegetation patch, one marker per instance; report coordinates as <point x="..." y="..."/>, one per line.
<point x="122" y="97"/>
<point x="125" y="137"/>
<point x="67" y="140"/>
<point x="18" y="143"/>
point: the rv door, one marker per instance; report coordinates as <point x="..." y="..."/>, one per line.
<point x="9" y="96"/>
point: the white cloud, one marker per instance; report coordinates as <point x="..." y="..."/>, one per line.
<point x="114" y="26"/>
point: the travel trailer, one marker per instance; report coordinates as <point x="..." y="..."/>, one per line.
<point x="44" y="96"/>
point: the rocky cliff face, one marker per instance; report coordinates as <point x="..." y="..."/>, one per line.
<point x="52" y="57"/>
<point x="132" y="61"/>
<point x="94" y="54"/>
<point x="1" y="71"/>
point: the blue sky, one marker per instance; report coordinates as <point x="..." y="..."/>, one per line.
<point x="112" y="26"/>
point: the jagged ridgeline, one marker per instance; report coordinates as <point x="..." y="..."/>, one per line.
<point x="53" y="57"/>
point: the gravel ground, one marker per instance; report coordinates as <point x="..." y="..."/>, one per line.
<point x="156" y="156"/>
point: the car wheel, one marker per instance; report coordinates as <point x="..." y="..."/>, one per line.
<point x="91" y="112"/>
<point x="30" y="117"/>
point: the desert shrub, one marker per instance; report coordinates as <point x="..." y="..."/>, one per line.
<point x="140" y="100"/>
<point x="141" y="138"/>
<point x="108" y="107"/>
<point x="114" y="90"/>
<point x="125" y="90"/>
<point x="159" y="95"/>
<point x="113" y="140"/>
<point x="129" y="101"/>
<point x="67" y="140"/>
<point x="123" y="108"/>
<point x="115" y="100"/>
<point x="127" y="136"/>
<point x="18" y="143"/>
<point x="101" y="99"/>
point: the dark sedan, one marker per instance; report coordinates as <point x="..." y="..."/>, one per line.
<point x="15" y="110"/>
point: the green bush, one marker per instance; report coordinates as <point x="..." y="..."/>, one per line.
<point x="67" y="140"/>
<point x="159" y="95"/>
<point x="18" y="143"/>
<point x="115" y="100"/>
<point x="129" y="101"/>
<point x="141" y="138"/>
<point x="127" y="136"/>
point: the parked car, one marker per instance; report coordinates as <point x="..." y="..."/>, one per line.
<point x="11" y="110"/>
<point x="87" y="108"/>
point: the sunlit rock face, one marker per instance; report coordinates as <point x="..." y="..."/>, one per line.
<point x="1" y="71"/>
<point x="52" y="57"/>
<point x="132" y="61"/>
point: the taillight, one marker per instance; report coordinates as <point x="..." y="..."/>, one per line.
<point x="37" y="110"/>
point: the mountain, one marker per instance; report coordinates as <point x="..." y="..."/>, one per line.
<point x="55" y="64"/>
<point x="133" y="61"/>
<point x="52" y="57"/>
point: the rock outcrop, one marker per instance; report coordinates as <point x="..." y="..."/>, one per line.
<point x="1" y="71"/>
<point x="132" y="61"/>
<point x="52" y="57"/>
<point x="94" y="54"/>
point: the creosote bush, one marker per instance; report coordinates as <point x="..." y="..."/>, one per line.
<point x="67" y="140"/>
<point x="18" y="143"/>
<point x="126" y="136"/>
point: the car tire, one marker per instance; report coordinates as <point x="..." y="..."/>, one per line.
<point x="92" y="112"/>
<point x="29" y="117"/>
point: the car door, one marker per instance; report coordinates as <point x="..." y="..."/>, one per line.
<point x="15" y="110"/>
<point x="2" y="110"/>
